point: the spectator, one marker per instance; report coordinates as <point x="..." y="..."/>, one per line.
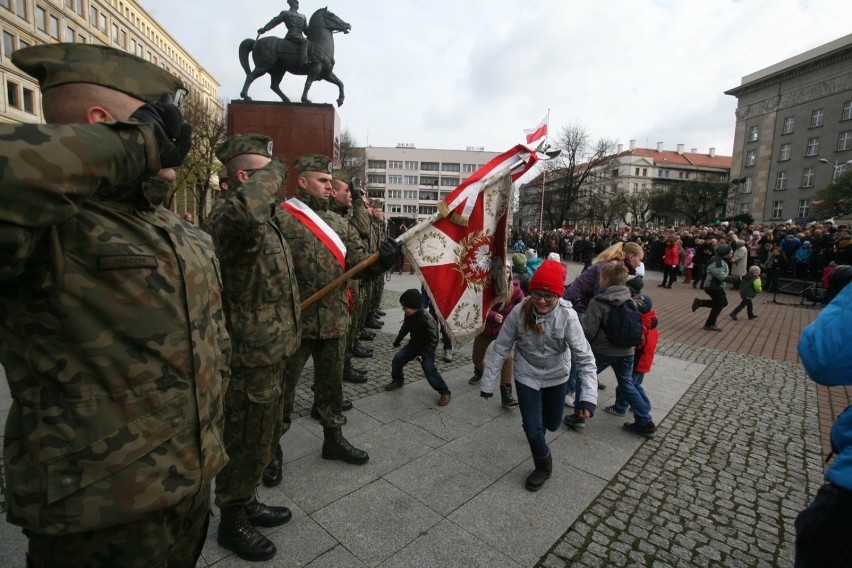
<point x="739" y="260"/>
<point x="802" y="261"/>
<point x="548" y="339"/>
<point x="774" y="264"/>
<point x="823" y="528"/>
<point x="671" y="259"/>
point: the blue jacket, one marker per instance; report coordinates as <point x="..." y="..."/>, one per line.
<point x="825" y="348"/>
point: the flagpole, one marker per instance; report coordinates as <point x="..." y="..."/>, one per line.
<point x="541" y="206"/>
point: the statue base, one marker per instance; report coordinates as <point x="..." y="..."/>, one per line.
<point x="295" y="129"/>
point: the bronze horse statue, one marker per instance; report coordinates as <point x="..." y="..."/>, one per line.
<point x="277" y="56"/>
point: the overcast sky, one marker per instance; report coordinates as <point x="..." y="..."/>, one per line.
<point x="452" y="74"/>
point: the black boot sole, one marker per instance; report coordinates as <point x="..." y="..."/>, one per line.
<point x="334" y="455"/>
<point x="245" y="556"/>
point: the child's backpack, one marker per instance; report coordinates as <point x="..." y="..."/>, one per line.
<point x="624" y="325"/>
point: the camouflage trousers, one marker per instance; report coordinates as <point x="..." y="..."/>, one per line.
<point x="252" y="418"/>
<point x="171" y="537"/>
<point x="328" y="357"/>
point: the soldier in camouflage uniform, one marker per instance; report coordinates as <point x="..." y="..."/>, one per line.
<point x="262" y="309"/>
<point x="324" y="324"/>
<point x="377" y="233"/>
<point x="112" y="332"/>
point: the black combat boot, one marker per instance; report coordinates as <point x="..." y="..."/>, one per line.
<point x="380" y="313"/>
<point x="359" y="350"/>
<point x="261" y="515"/>
<point x="367" y="335"/>
<point x="507" y="400"/>
<point x="336" y="447"/>
<point x="374" y="323"/>
<point x="238" y="535"/>
<point x="543" y="469"/>
<point x="352" y="375"/>
<point x="272" y="474"/>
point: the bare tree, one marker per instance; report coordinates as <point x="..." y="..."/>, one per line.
<point x="193" y="185"/>
<point x="352" y="157"/>
<point x="638" y="205"/>
<point x="697" y="202"/>
<point x="575" y="172"/>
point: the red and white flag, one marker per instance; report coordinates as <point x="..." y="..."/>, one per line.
<point x="539" y="132"/>
<point x="461" y="256"/>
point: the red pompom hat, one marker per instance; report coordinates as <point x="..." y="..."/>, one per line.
<point x="549" y="277"/>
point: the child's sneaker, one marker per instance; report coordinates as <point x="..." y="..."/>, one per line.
<point x="648" y="429"/>
<point x="569" y="399"/>
<point x="614" y="411"/>
<point x="573" y="421"/>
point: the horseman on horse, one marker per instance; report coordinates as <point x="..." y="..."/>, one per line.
<point x="296" y="24"/>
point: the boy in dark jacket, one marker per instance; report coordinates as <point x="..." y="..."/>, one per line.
<point x="749" y="288"/>
<point x="614" y="293"/>
<point x="424" y="339"/>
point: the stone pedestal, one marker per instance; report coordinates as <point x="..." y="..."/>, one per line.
<point x="295" y="129"/>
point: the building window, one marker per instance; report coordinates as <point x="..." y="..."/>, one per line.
<point x="394" y="194"/>
<point x="8" y="44"/>
<point x="644" y="171"/>
<point x="813" y="147"/>
<point x="450" y="181"/>
<point x="70" y="35"/>
<point x="781" y="181"/>
<point x="395" y="209"/>
<point x="93" y="16"/>
<point x="54" y="27"/>
<point x="469" y="168"/>
<point x="29" y="100"/>
<point x="395" y="165"/>
<point x="375" y="178"/>
<point x="428" y="209"/>
<point x="785" y="152"/>
<point x="745" y="207"/>
<point x="844" y="141"/>
<point x="408" y="194"/>
<point x="395" y="179"/>
<point x="746" y="186"/>
<point x="804" y="207"/>
<point x="789" y="123"/>
<point x="376" y="164"/>
<point x="839" y="171"/>
<point x="411" y="165"/>
<point x="847" y="111"/>
<point x="13" y="97"/>
<point x="6" y="4"/>
<point x="103" y="23"/>
<point x="808" y="177"/>
<point x="428" y="196"/>
<point x="411" y="209"/>
<point x="816" y="118"/>
<point x="81" y="9"/>
<point x="409" y="180"/>
<point x="122" y="39"/>
<point x="81" y="38"/>
<point x="429" y="180"/>
<point x="449" y="167"/>
<point x="41" y="19"/>
<point x="21" y="6"/>
<point x="115" y="33"/>
<point x="751" y="158"/>
<point x="430" y="166"/>
<point x="753" y="134"/>
<point x="777" y="209"/>
<point x="636" y="172"/>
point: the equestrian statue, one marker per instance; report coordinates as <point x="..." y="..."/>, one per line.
<point x="307" y="49"/>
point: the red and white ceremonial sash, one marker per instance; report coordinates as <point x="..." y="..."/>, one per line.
<point x="318" y="227"/>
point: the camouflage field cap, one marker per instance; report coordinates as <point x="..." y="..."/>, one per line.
<point x="377" y="203"/>
<point x="244" y="144"/>
<point x="58" y="64"/>
<point x="312" y="163"/>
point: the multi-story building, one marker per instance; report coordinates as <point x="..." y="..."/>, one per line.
<point x="412" y="181"/>
<point x="793" y="131"/>
<point x="624" y="172"/>
<point x="123" y="24"/>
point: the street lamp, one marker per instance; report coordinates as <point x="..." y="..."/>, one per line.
<point x="837" y="167"/>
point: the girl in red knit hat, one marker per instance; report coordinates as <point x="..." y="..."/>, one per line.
<point x="546" y="336"/>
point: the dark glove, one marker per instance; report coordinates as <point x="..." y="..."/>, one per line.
<point x="484" y="394"/>
<point x="355" y="190"/>
<point x="397" y="343"/>
<point x="261" y="31"/>
<point x="173" y="135"/>
<point x="387" y="253"/>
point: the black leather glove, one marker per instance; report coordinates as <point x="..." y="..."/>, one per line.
<point x="486" y="395"/>
<point x="387" y="253"/>
<point x="396" y="343"/>
<point x="355" y="190"/>
<point x="261" y="31"/>
<point x="173" y="135"/>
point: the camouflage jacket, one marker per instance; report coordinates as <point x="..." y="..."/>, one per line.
<point x="111" y="332"/>
<point x="259" y="283"/>
<point x="316" y="267"/>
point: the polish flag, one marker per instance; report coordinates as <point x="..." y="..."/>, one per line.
<point x="539" y="131"/>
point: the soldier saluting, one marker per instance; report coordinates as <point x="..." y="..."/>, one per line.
<point x="296" y="25"/>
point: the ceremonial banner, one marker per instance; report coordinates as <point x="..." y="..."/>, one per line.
<point x="539" y="131"/>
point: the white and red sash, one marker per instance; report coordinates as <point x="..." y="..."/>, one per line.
<point x="318" y="227"/>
